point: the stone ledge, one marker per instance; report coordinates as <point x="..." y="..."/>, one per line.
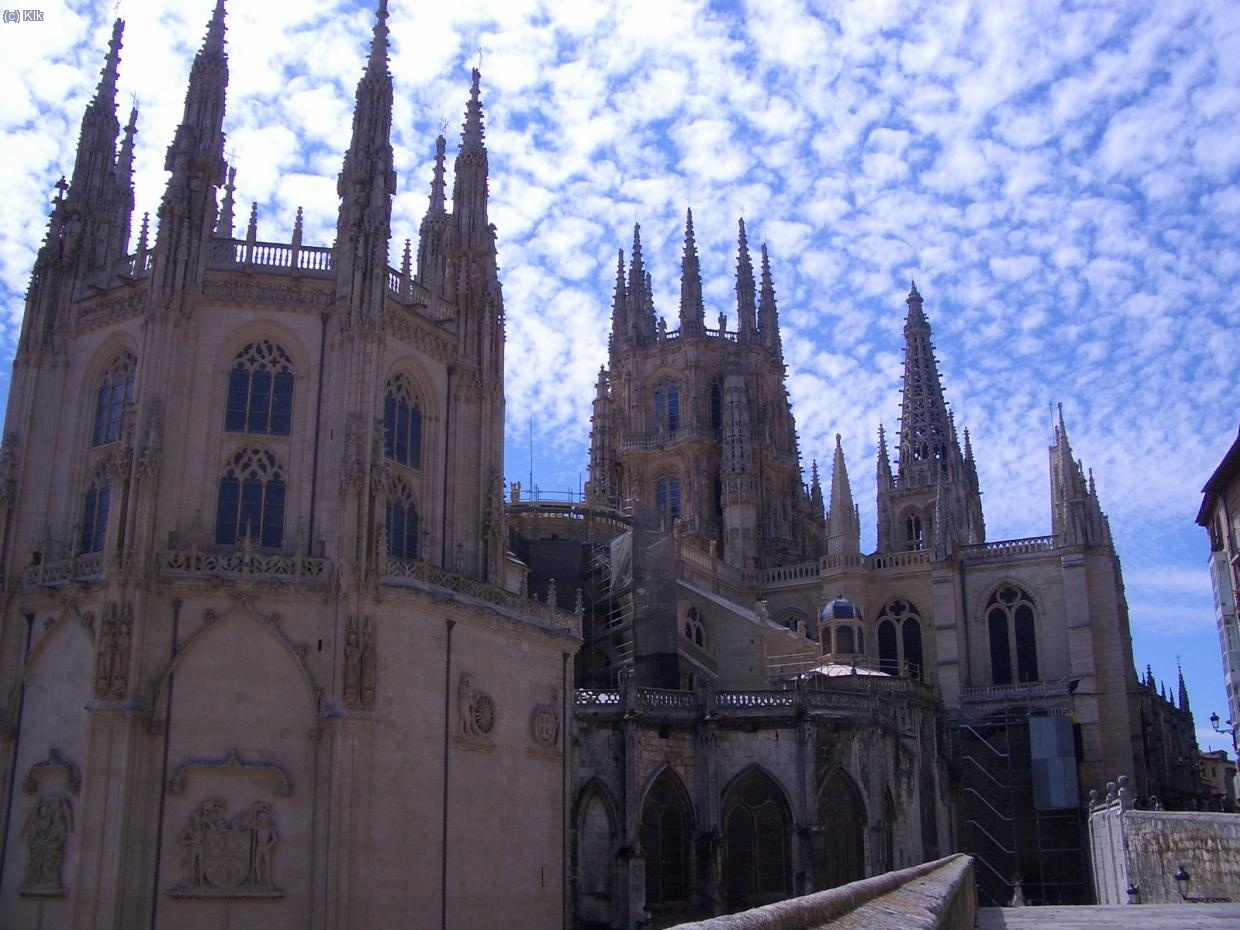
<point x="938" y="895"/>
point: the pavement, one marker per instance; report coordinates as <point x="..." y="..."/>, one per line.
<point x="1112" y="917"/>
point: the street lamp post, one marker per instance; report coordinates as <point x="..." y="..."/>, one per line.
<point x="1228" y="730"/>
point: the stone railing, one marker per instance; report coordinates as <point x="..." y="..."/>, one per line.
<point x="1024" y="691"/>
<point x="655" y="440"/>
<point x="244" y="563"/>
<point x="396" y="571"/>
<point x="1003" y="548"/>
<point x="802" y="571"/>
<point x="55" y="574"/>
<point x="1143" y="850"/>
<point x="898" y="560"/>
<point x="310" y="261"/>
<point x="938" y="895"/>
<point x="660" y="705"/>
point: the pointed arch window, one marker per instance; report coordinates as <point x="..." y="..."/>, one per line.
<point x="667" y="499"/>
<point x="667" y="408"/>
<point x="838" y="849"/>
<point x="114" y="393"/>
<point x="260" y="391"/>
<point x="914" y="536"/>
<point x="94" y="528"/>
<point x="757" y="828"/>
<point x="900" y="650"/>
<point x="251" y="500"/>
<point x="401" y="520"/>
<point x="402" y="423"/>
<point x="1011" y="622"/>
<point x="664" y="834"/>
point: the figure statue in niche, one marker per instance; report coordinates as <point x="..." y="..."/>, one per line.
<point x="265" y="839"/>
<point x="352" y="664"/>
<point x="368" y="665"/>
<point x="46" y="832"/>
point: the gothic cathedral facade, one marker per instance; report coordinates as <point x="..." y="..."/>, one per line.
<point x="263" y="653"/>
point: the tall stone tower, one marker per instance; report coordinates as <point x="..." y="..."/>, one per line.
<point x="254" y="654"/>
<point x="693" y="424"/>
<point x="931" y="501"/>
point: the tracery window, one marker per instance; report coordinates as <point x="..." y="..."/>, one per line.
<point x="756" y="827"/>
<point x="260" y="391"/>
<point x="402" y="423"/>
<point x="251" y="500"/>
<point x="666" y="408"/>
<point x="900" y="640"/>
<point x="667" y="498"/>
<point x="694" y="630"/>
<point x="94" y="528"/>
<point x="401" y="520"/>
<point x="838" y="849"/>
<point x="914" y="537"/>
<point x="1010" y="620"/>
<point x="115" y="391"/>
<point x="664" y="834"/>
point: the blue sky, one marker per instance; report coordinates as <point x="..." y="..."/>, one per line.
<point x="1062" y="180"/>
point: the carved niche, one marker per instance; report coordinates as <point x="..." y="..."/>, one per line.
<point x="46" y="829"/>
<point x="229" y="857"/>
<point x="360" y="665"/>
<point x="476" y="715"/>
<point x="112" y="657"/>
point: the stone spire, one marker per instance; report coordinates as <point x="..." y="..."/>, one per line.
<point x="603" y="484"/>
<point x="469" y="189"/>
<point x="886" y="485"/>
<point x="641" y="323"/>
<point x="738" y="475"/>
<point x="196" y="164"/>
<point x="1076" y="515"/>
<point x="619" y="308"/>
<point x="692" y="310"/>
<point x="925" y="431"/>
<point x="224" y="225"/>
<point x="815" y="492"/>
<point x="746" y="296"/>
<point x="366" y="185"/>
<point x="768" y="315"/>
<point x="121" y="208"/>
<point x="843" y="529"/>
<point x="1183" y="695"/>
<point x="432" y="241"/>
<point x="91" y="197"/>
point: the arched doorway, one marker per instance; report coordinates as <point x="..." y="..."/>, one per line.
<point x="593" y="858"/>
<point x="757" y="826"/>
<point x="839" y="844"/>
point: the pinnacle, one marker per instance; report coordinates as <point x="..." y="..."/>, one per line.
<point x="379" y="43"/>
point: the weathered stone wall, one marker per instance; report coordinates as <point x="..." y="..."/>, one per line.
<point x="1147" y="849"/>
<point x="938" y="895"/>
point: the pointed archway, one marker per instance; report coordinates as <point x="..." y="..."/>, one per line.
<point x="757" y="829"/>
<point x="839" y="843"/>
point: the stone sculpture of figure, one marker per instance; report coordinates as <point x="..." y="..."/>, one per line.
<point x="464" y="700"/>
<point x="265" y="839"/>
<point x="194" y="836"/>
<point x="352" y="666"/>
<point x="368" y="671"/>
<point x="46" y="832"/>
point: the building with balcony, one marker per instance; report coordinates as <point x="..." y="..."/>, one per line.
<point x="1220" y="515"/>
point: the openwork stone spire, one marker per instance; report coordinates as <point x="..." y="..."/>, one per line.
<point x="843" y="526"/>
<point x="692" y="310"/>
<point x="925" y="431"/>
<point x="768" y="314"/>
<point x="640" y="326"/>
<point x="469" y="191"/>
<point x="366" y="185"/>
<point x="746" y="295"/>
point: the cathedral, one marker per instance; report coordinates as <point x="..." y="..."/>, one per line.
<point x="253" y="672"/>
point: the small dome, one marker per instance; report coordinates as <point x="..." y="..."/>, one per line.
<point x="839" y="609"/>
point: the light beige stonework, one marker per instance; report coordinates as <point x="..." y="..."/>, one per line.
<point x="291" y="714"/>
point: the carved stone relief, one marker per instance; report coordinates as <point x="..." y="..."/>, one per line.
<point x="360" y="665"/>
<point x="476" y="713"/>
<point x="545" y="723"/>
<point x="112" y="657"/>
<point x="229" y="857"/>
<point x="47" y="827"/>
<point x="353" y="468"/>
<point x="46" y="832"/>
<point x="152" y="445"/>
